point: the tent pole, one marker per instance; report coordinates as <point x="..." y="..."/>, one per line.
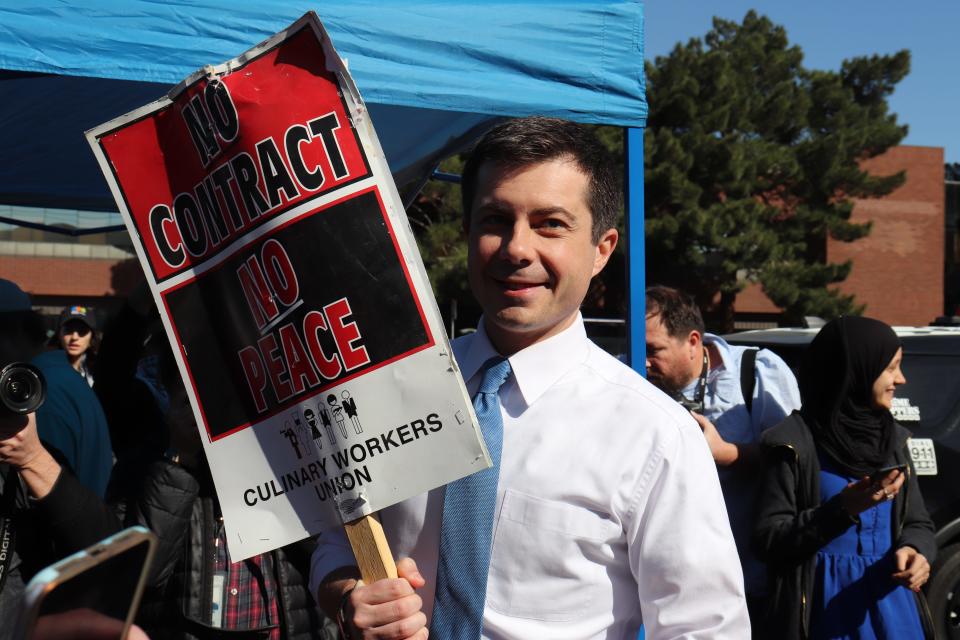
<point x="636" y="254"/>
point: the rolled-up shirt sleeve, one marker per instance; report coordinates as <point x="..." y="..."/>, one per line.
<point x="681" y="549"/>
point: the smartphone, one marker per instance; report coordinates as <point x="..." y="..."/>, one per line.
<point x="880" y="473"/>
<point x="97" y="589"/>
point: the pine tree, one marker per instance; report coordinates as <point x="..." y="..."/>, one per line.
<point x="752" y="161"/>
<point x="437" y="222"/>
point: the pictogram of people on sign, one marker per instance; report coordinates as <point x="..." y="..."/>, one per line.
<point x="311" y="419"/>
<point x="300" y="432"/>
<point x="303" y="433"/>
<point x="350" y="406"/>
<point x="337" y="411"/>
<point x="325" y="419"/>
<point x="292" y="438"/>
<point x="342" y="409"/>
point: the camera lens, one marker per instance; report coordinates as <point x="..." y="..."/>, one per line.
<point x="22" y="389"/>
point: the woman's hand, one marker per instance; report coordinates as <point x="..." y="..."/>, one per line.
<point x="913" y="570"/>
<point x="865" y="493"/>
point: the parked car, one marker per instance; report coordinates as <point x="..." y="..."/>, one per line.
<point x="929" y="406"/>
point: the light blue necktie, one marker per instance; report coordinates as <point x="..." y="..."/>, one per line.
<point x="467" y="529"/>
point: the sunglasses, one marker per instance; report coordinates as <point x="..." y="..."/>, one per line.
<point x="75" y="326"/>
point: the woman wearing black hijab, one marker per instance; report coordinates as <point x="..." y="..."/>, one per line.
<point x="847" y="548"/>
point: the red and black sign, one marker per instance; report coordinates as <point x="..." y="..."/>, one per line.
<point x="231" y="152"/>
<point x="265" y="316"/>
<point x="320" y="300"/>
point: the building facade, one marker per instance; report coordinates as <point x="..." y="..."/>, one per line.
<point x="94" y="270"/>
<point x="898" y="270"/>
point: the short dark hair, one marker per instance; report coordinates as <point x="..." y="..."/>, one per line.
<point x="677" y="310"/>
<point x="536" y="139"/>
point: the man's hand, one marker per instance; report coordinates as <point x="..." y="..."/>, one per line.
<point x="913" y="570"/>
<point x="724" y="453"/>
<point x="19" y="442"/>
<point x="388" y="609"/>
<point x="20" y="447"/>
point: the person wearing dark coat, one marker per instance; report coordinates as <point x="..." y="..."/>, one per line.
<point x="177" y="501"/>
<point x="847" y="548"/>
<point x="45" y="513"/>
<point x="194" y="591"/>
<point x="72" y="421"/>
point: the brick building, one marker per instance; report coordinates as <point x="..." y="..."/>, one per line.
<point x="57" y="270"/>
<point x="898" y="270"/>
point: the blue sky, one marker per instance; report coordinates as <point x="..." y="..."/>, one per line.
<point x="928" y="99"/>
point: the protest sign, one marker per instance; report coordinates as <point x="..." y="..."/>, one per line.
<point x="267" y="222"/>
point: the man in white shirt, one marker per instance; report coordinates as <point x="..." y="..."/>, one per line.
<point x="608" y="509"/>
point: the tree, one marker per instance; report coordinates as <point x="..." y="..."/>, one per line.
<point x="437" y="224"/>
<point x="752" y="161"/>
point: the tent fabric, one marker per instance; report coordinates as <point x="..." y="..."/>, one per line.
<point x="49" y="163"/>
<point x="469" y="60"/>
<point x="576" y="59"/>
<point x="434" y="73"/>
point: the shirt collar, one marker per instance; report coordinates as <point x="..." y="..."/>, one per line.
<point x="536" y="368"/>
<point x="723" y="349"/>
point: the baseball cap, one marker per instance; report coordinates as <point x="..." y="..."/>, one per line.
<point x="12" y="297"/>
<point x="77" y="312"/>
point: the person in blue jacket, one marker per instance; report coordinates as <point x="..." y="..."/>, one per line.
<point x="71" y="420"/>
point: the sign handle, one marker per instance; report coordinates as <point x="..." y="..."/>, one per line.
<point x="371" y="548"/>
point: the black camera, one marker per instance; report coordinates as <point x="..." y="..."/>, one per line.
<point x="22" y="389"/>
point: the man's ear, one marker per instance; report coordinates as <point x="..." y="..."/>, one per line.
<point x="693" y="341"/>
<point x="605" y="247"/>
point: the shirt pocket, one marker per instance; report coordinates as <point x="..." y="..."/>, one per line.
<point x="549" y="558"/>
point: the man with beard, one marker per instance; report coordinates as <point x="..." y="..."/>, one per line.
<point x="734" y="393"/>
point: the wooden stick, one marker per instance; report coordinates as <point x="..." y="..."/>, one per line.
<point x="371" y="548"/>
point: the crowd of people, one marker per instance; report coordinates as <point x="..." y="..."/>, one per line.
<point x="833" y="540"/>
<point x="724" y="500"/>
<point x="72" y="481"/>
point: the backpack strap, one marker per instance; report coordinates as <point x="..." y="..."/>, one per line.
<point x="748" y="376"/>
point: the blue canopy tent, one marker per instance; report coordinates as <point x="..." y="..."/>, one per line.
<point x="434" y="73"/>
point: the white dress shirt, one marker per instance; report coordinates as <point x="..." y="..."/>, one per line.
<point x="609" y="512"/>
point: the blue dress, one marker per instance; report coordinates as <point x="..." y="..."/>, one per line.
<point x="855" y="596"/>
